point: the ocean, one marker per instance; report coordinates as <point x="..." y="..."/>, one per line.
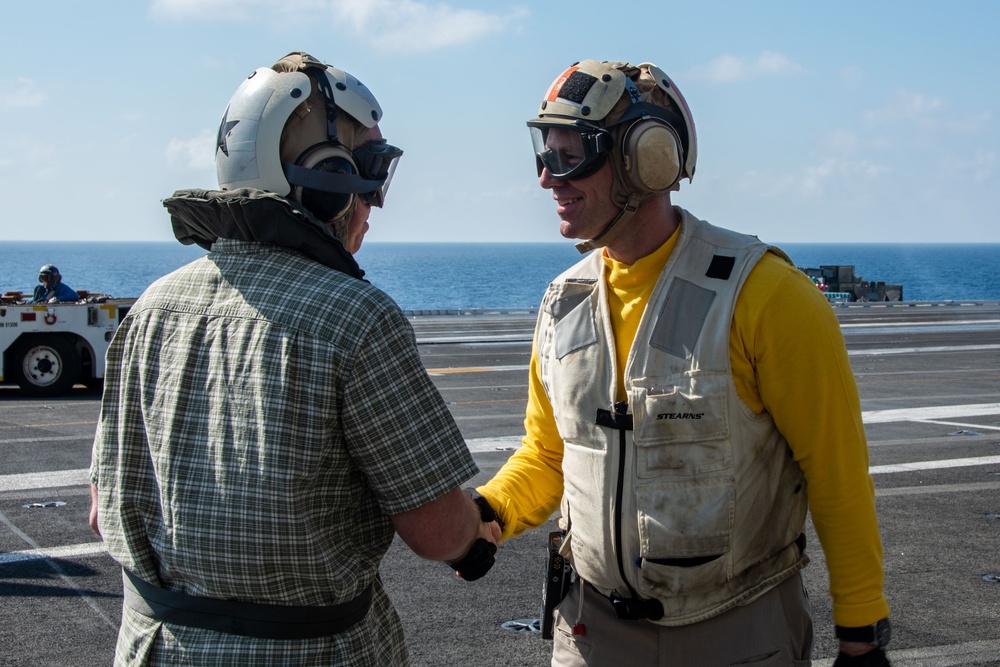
<point x="449" y="276"/>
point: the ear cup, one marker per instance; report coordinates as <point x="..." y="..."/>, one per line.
<point x="652" y="155"/>
<point x="326" y="206"/>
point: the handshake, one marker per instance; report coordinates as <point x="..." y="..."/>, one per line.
<point x="480" y="557"/>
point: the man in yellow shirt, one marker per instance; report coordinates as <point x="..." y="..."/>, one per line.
<point x="690" y="399"/>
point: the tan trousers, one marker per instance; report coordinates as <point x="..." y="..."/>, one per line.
<point x="773" y="630"/>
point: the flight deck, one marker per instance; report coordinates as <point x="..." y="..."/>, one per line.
<point x="929" y="379"/>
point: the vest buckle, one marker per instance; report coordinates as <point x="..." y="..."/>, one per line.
<point x="637" y="609"/>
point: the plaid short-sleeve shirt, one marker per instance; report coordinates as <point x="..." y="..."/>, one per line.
<point x="263" y="418"/>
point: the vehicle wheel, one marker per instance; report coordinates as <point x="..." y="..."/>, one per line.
<point x="46" y="365"/>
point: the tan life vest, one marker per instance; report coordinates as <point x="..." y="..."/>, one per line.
<point x="700" y="503"/>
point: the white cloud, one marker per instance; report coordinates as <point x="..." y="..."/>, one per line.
<point x="196" y="153"/>
<point x="21" y="93"/>
<point x="908" y="108"/>
<point x="811" y="181"/>
<point x="729" y="68"/>
<point x="851" y="77"/>
<point x="979" y="167"/>
<point x="391" y="26"/>
<point x="907" y="105"/>
<point x="202" y="9"/>
<point x="39" y="154"/>
<point x="844" y="141"/>
<point x="406" y="26"/>
<point x="970" y="124"/>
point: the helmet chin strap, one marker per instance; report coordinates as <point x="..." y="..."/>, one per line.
<point x="614" y="229"/>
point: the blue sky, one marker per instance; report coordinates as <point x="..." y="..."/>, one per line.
<point x="817" y="122"/>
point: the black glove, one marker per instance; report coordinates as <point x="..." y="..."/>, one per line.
<point x="874" y="658"/>
<point x="479" y="560"/>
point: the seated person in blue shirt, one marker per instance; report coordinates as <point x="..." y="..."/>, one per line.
<point x="52" y="288"/>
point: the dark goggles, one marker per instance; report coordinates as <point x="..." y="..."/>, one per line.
<point x="329" y="184"/>
<point x="376" y="161"/>
<point x="569" y="151"/>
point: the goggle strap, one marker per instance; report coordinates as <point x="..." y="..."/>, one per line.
<point x="328" y="181"/>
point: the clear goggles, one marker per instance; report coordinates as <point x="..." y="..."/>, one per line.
<point x="569" y="151"/>
<point x="376" y="161"/>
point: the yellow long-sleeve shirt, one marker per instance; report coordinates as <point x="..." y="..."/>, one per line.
<point x="788" y="358"/>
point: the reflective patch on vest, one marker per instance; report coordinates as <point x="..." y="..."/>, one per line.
<point x="721" y="267"/>
<point x="569" y="305"/>
<point x="565" y="297"/>
<point x="681" y="319"/>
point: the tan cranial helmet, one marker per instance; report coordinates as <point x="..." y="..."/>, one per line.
<point x="294" y="129"/>
<point x="307" y="126"/>
<point x="633" y="115"/>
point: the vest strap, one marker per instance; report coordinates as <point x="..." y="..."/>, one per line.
<point x="250" y="619"/>
<point x="617" y="419"/>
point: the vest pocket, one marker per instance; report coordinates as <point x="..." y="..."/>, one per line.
<point x="683" y="407"/>
<point x="685" y="534"/>
<point x="682" y="425"/>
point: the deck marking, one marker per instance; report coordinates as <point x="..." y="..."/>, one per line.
<point x="886" y="325"/>
<point x="47" y="425"/>
<point x="878" y="351"/>
<point x="934" y="412"/>
<point x="60" y="572"/>
<point x="48" y="438"/>
<point x="922" y="350"/>
<point x="926" y="489"/>
<point x="959" y="424"/>
<point x="61" y="478"/>
<point x="44" y="480"/>
<point x="494" y="444"/>
<point x="475" y="369"/>
<point x="67" y="551"/>
<point x="949" y="655"/>
<point x="940" y="464"/>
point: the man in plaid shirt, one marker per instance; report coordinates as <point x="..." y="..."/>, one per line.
<point x="267" y="424"/>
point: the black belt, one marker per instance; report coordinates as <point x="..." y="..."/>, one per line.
<point x="631" y="609"/>
<point x="267" y="621"/>
<point x="637" y="609"/>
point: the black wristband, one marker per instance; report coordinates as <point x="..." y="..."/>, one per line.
<point x="877" y="634"/>
<point x="486" y="511"/>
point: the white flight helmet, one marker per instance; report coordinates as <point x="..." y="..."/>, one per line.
<point x="322" y="170"/>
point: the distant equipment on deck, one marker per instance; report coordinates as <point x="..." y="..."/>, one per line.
<point x="840" y="285"/>
<point x="46" y="348"/>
